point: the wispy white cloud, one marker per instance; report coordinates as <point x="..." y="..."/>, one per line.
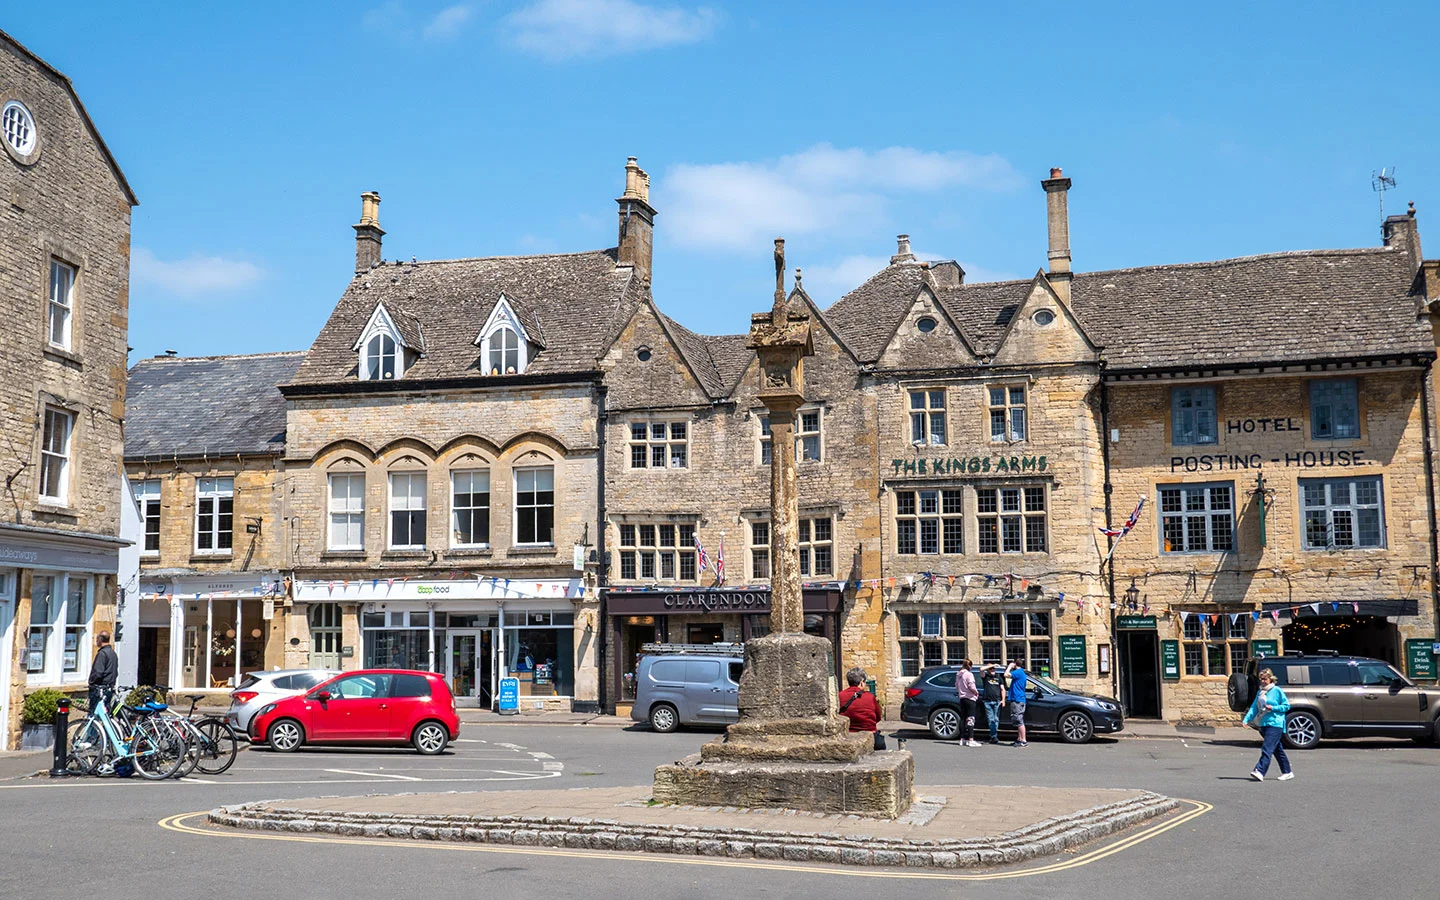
<point x="734" y="205"/>
<point x="194" y="276"/>
<point x="569" y="29"/>
<point x="395" y="18"/>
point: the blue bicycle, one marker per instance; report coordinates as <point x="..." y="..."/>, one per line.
<point x="106" y="742"/>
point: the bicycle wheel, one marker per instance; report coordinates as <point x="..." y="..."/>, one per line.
<point x="88" y="746"/>
<point x="218" y="746"/>
<point x="180" y="729"/>
<point x="156" y="752"/>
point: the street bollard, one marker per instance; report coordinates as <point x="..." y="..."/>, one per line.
<point x="62" y="726"/>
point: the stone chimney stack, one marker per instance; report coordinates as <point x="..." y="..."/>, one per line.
<point x="1404" y="233"/>
<point x="1057" y="215"/>
<point x="637" y="221"/>
<point x="368" y="233"/>
<point x="902" y="250"/>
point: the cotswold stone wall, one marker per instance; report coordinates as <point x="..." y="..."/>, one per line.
<point x="259" y="500"/>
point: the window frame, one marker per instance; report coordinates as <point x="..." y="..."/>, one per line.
<point x="349" y="514"/>
<point x="217" y="494"/>
<point x="56" y="626"/>
<point x="1353" y="505"/>
<point x="60" y="458"/>
<point x="533" y="471"/>
<point x="473" y="509"/>
<point x="1196" y="411"/>
<point x="54" y="304"/>
<point x="1202" y="643"/>
<point x="1184" y="514"/>
<point x="647" y="442"/>
<point x="1001" y="521"/>
<point x="997" y="640"/>
<point x="375" y="357"/>
<point x="1007" y="410"/>
<point x="1332" y="404"/>
<point x="943" y="515"/>
<point x="423" y="519"/>
<point x="760" y="550"/>
<point x="147" y="495"/>
<point x="658" y="547"/>
<point x="923" y="418"/>
<point x="502" y="350"/>
<point x="951" y="643"/>
<point x="817" y="435"/>
<point x="810" y="545"/>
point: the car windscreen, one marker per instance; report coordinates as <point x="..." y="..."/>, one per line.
<point x="1048" y="685"/>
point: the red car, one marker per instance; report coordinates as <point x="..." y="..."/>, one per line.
<point x="379" y="706"/>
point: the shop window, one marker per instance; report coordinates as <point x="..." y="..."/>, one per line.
<point x="1197" y="518"/>
<point x="1215" y="645"/>
<point x="347" y="512"/>
<point x="1023" y="637"/>
<point x="1343" y="513"/>
<point x="759" y="550"/>
<point x="927" y="417"/>
<point x="470" y="508"/>
<point x="1193" y="416"/>
<point x="930" y="638"/>
<point x="541" y="653"/>
<point x="214" y="515"/>
<point x="660" y="444"/>
<point x="57" y="647"/>
<point x="401" y="643"/>
<point x="657" y="552"/>
<point x="817" y="550"/>
<point x="147" y="498"/>
<point x="1334" y="409"/>
<point x="407" y="510"/>
<point x="1007" y="414"/>
<point x="1011" y="520"/>
<point x="929" y="522"/>
<point x="535" y="506"/>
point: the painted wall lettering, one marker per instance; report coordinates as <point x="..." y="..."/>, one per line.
<point x="1305" y="459"/>
<point x="971" y="465"/>
<point x="1264" y="426"/>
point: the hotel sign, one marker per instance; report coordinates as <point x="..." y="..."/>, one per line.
<point x="970" y="465"/>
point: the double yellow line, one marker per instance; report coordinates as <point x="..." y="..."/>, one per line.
<point x="1196" y="808"/>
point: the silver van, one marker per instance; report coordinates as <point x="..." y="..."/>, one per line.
<point x="688" y="684"/>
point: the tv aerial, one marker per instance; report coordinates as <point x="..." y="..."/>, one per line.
<point x="1380" y="182"/>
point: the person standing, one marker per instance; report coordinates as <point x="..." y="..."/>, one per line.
<point x="103" y="670"/>
<point x="969" y="694"/>
<point x="1267" y="713"/>
<point x="859" y="705"/>
<point x="992" y="687"/>
<point x="1018" y="680"/>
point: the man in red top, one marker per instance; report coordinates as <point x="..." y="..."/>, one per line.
<point x="858" y="704"/>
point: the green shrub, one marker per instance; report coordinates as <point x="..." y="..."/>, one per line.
<point x="40" y="706"/>
<point x="142" y="693"/>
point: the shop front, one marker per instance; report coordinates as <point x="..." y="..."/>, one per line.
<point x="640" y="616"/>
<point x="475" y="632"/>
<point x="204" y="633"/>
<point x="1379" y="629"/>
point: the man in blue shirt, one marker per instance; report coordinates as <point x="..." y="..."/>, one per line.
<point x="1018" y="679"/>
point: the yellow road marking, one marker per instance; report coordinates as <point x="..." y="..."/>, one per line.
<point x="1197" y="808"/>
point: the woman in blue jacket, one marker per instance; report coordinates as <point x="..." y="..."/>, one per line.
<point x="1268" y="714"/>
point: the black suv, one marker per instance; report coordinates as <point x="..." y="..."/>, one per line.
<point x="1333" y="696"/>
<point x="932" y="701"/>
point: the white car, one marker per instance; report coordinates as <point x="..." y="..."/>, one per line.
<point x="261" y="688"/>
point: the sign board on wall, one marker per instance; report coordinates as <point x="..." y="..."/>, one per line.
<point x="267" y="609"/>
<point x="1265" y="648"/>
<point x="1170" y="660"/>
<point x="1146" y="623"/>
<point x="1420" y="659"/>
<point x="1072" y="654"/>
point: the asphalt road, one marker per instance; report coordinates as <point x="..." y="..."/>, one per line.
<point x="1359" y="819"/>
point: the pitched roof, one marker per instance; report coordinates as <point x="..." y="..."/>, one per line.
<point x="696" y="350"/>
<point x="731" y="357"/>
<point x="1313" y="304"/>
<point x="211" y="405"/>
<point x="568" y="302"/>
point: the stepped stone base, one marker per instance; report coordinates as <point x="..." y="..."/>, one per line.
<point x="878" y="784"/>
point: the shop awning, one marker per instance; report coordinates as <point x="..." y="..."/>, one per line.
<point x="1347" y="608"/>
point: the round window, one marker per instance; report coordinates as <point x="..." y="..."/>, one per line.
<point x="19" y="127"/>
<point x="1044" y="317"/>
<point x="926" y="324"/>
<point x="643" y="354"/>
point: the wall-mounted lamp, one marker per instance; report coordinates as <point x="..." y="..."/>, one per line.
<point x="1132" y="595"/>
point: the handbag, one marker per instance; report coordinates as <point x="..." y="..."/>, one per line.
<point x="879" y="741"/>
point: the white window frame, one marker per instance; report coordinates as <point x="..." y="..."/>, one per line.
<point x="407" y="505"/>
<point x="1008" y="408"/>
<point x="55" y="453"/>
<point x="534" y="473"/>
<point x="761" y="550"/>
<point x="56" y="628"/>
<point x="372" y="342"/>
<point x="61" y="304"/>
<point x="147" y="498"/>
<point x="657" y="437"/>
<point x="502" y="318"/>
<point x="20" y="131"/>
<point x="498" y="349"/>
<point x="348" y="512"/>
<point x="810" y="545"/>
<point x="928" y="422"/>
<point x="219" y="489"/>
<point x="456" y="510"/>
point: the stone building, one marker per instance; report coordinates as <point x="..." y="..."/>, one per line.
<point x="65" y="256"/>
<point x="204" y="445"/>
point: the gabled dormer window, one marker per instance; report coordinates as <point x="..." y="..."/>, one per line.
<point x="504" y="344"/>
<point x="382" y="350"/>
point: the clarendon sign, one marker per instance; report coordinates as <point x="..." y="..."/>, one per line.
<point x="643" y="601"/>
<point x="970" y="465"/>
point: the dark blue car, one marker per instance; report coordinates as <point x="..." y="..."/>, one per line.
<point x="932" y="701"/>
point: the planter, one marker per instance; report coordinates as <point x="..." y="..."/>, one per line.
<point x="37" y="737"/>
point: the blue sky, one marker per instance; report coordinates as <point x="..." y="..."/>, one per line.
<point x="1191" y="131"/>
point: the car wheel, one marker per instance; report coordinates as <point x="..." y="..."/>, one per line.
<point x="430" y="738"/>
<point x="286" y="736"/>
<point x="663" y="718"/>
<point x="1237" y="691"/>
<point x="1302" y="730"/>
<point x="1075" y="727"/>
<point x="945" y="723"/>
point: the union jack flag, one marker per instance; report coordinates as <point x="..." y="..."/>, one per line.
<point x="720" y="562"/>
<point x="1129" y="523"/>
<point x="701" y="555"/>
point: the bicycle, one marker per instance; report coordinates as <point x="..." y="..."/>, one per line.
<point x="105" y="741"/>
<point x="211" y="743"/>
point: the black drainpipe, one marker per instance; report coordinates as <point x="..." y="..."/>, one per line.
<point x="602" y="571"/>
<point x="1426" y="383"/>
<point x="1110" y="541"/>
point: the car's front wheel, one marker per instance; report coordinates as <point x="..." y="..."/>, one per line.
<point x="1302" y="730"/>
<point x="945" y="723"/>
<point x="1075" y="727"/>
<point x="286" y="736"/>
<point x="663" y="718"/>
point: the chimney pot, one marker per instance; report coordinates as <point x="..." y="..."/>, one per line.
<point x="637" y="221"/>
<point x="368" y="233"/>
<point x="902" y="250"/>
<point x="1055" y="172"/>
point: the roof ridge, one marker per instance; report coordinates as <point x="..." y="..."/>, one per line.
<point x="157" y="359"/>
<point x="1233" y="260"/>
<point x="400" y="264"/>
